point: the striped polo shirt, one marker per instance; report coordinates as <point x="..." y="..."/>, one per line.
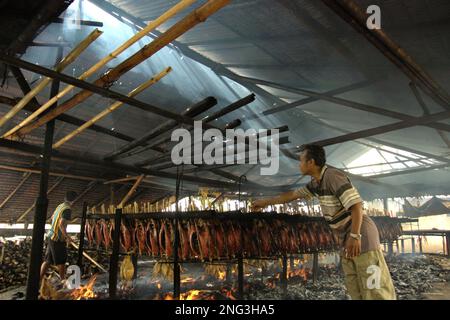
<point x="336" y="195"/>
<point x="63" y="211"/>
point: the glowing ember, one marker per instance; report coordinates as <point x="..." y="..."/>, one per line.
<point x="85" y="292"/>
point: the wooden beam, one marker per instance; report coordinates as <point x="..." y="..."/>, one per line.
<point x="356" y="16"/>
<point x="132" y="190"/>
<point x="112" y="108"/>
<point x="426" y="111"/>
<point x="121" y="180"/>
<point x="60" y="66"/>
<point x="197" y="16"/>
<point x="23" y="215"/>
<point x="347" y="103"/>
<point x="385" y="129"/>
<point x="100" y="90"/>
<point x="47" y="10"/>
<point x="55" y="174"/>
<point x="24" y="179"/>
<point x="119" y="168"/>
<point x="34" y="105"/>
<point x="164" y="127"/>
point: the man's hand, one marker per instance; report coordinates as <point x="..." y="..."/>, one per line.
<point x="258" y="205"/>
<point x="352" y="248"/>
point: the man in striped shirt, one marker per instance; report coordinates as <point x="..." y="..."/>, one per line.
<point x="56" y="253"/>
<point x="366" y="273"/>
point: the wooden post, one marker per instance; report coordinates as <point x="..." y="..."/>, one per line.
<point x="447" y="237"/>
<point x="390" y="246"/>
<point x="284" y="276"/>
<point x="40" y="215"/>
<point x="413" y="245"/>
<point x="420" y="245"/>
<point x="241" y="277"/>
<point x="403" y="245"/>
<point x="81" y="243"/>
<point x="114" y="259"/>
<point x="315" y="266"/>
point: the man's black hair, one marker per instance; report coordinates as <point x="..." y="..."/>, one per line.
<point x="315" y="152"/>
<point x="71" y="195"/>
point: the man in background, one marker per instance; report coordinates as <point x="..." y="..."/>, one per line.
<point x="57" y="237"/>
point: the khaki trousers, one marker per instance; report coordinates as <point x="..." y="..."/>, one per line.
<point x="367" y="277"/>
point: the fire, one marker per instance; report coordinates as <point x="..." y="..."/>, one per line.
<point x="298" y="273"/>
<point x="158" y="285"/>
<point x="85" y="292"/>
<point x="221" y="275"/>
<point x="187" y="280"/>
<point x="190" y="295"/>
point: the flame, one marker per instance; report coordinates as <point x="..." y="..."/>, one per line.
<point x="158" y="285"/>
<point x="187" y="280"/>
<point x="298" y="273"/>
<point x="221" y="275"/>
<point x="190" y="295"/>
<point x="85" y="292"/>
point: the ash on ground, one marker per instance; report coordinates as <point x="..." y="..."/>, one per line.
<point x="413" y="275"/>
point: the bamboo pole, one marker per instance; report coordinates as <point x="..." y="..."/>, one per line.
<point x="88" y="257"/>
<point x="112" y="107"/>
<point x="23" y="215"/>
<point x="151" y="26"/>
<point x="121" y="180"/>
<point x="55" y="174"/>
<point x="133" y="188"/>
<point x="41" y="85"/>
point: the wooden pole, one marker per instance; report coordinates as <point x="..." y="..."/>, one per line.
<point x="284" y="276"/>
<point x="132" y="190"/>
<point x="81" y="244"/>
<point x="41" y="85"/>
<point x="315" y="266"/>
<point x="151" y="26"/>
<point x="114" y="260"/>
<point x="55" y="174"/>
<point x="112" y="107"/>
<point x="121" y="180"/>
<point x="89" y="257"/>
<point x="40" y="215"/>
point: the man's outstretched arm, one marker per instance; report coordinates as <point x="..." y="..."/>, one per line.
<point x="282" y="198"/>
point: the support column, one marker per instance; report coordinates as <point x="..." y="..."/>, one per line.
<point x="420" y="245"/>
<point x="403" y="245"/>
<point x="241" y="277"/>
<point x="81" y="244"/>
<point x="284" y="277"/>
<point x="447" y="238"/>
<point x="114" y="259"/>
<point x="413" y="245"/>
<point x="40" y="215"/>
<point x="315" y="266"/>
